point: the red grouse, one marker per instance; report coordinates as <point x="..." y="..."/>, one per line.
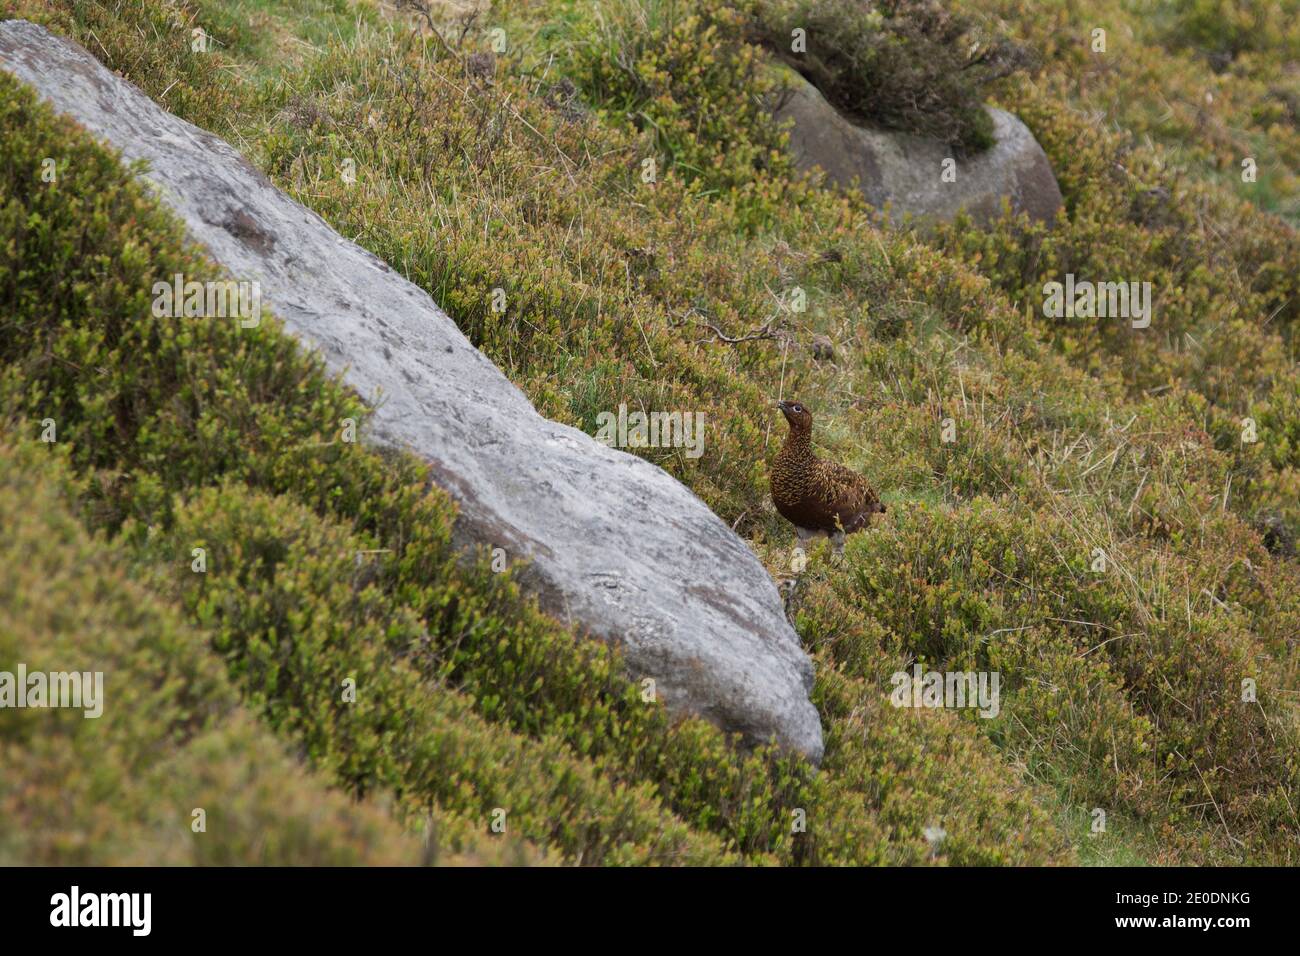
<point x="818" y="497"/>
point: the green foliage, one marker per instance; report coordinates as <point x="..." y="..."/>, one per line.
<point x="910" y="65"/>
<point x="1224" y="29"/>
<point x="298" y="608"/>
<point x="1205" y="109"/>
<point x="1225" y="283"/>
<point x="121" y="788"/>
<point x="705" y="116"/>
<point x="240" y="457"/>
<point x="1097" y="688"/>
<point x="1122" y="690"/>
<point x="251" y="412"/>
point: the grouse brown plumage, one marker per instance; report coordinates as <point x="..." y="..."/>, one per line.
<point x="818" y="497"/>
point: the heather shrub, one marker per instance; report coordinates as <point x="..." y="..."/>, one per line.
<point x="677" y="293"/>
<point x="1206" y="111"/>
<point x="910" y="65"/>
<point x="241" y="458"/>
<point x="121" y="788"/>
<point x="1219" y="287"/>
<point x="705" y="116"/>
<point x="1224" y="30"/>
<point x="1092" y="674"/>
<point x="302" y="625"/>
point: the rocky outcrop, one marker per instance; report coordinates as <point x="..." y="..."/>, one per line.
<point x="615" y="545"/>
<point x="905" y="172"/>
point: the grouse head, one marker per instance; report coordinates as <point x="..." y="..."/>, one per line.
<point x="798" y="415"/>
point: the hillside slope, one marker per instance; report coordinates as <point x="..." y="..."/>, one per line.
<point x="1121" y="690"/>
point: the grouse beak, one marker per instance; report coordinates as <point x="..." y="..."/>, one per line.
<point x="783" y="405"/>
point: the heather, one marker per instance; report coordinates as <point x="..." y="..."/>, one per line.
<point x="523" y="169"/>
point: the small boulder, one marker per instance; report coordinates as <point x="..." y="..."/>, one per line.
<point x="905" y="172"/>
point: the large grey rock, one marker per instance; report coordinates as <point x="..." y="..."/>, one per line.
<point x="905" y="171"/>
<point x="616" y="545"/>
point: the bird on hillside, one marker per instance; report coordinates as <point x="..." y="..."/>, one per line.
<point x="817" y="496"/>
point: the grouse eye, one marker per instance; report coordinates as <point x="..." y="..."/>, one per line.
<point x="797" y="408"/>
